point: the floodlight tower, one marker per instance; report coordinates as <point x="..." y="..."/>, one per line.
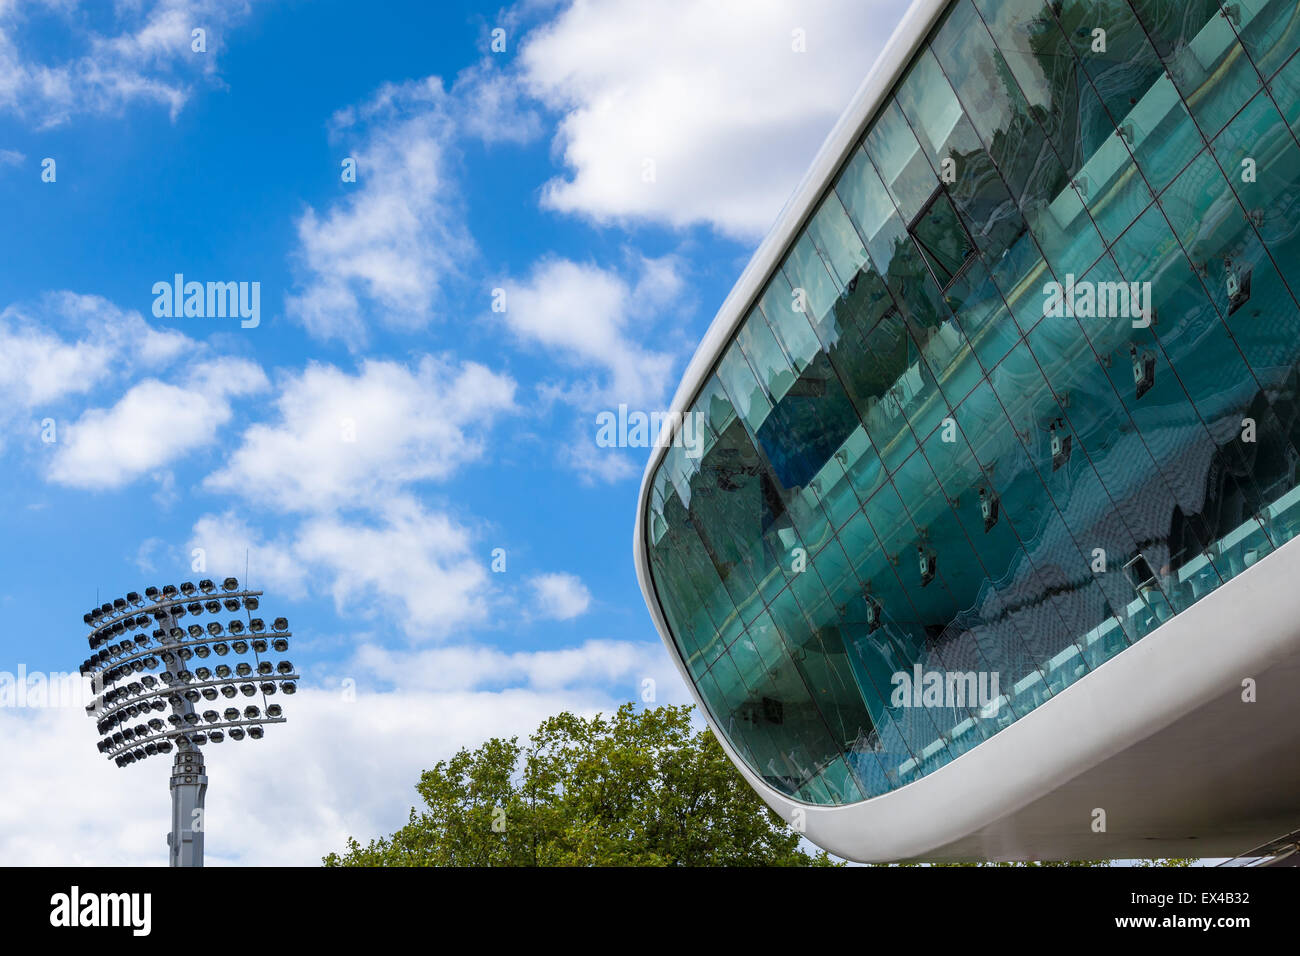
<point x="135" y="634"/>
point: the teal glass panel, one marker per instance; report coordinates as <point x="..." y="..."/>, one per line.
<point x="1024" y="387"/>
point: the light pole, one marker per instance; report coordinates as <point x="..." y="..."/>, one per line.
<point x="133" y="635"/>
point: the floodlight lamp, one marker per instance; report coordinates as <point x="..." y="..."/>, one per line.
<point x="236" y="733"/>
<point x="230" y="584"/>
<point x="223" y="671"/>
<point x="280" y="624"/>
<point x="251" y="602"/>
<point x="203" y="651"/>
<point x="268" y="688"/>
<point x="187" y="588"/>
<point x="119" y="604"/>
<point x="202" y="673"/>
<point x="248" y="690"/>
<point x="87" y="618"/>
<point x="221" y="649"/>
<point x="169" y="591"/>
<point x="259" y="646"/>
<point x="231" y="713"/>
<point x="195" y="631"/>
<point x="198" y="739"/>
<point x="279" y="645"/>
<point x="255" y="733"/>
<point x="195" y="607"/>
<point x="289" y="687"/>
<point x="164" y="747"/>
<point x="257" y="625"/>
<point x="214" y="628"/>
<point x="274" y="710"/>
<point x="206" y="586"/>
<point x="232" y="604"/>
<point x="133" y="597"/>
<point x="236" y="627"/>
<point x="212" y="607"/>
<point x="240" y="647"/>
<point x="243" y="668"/>
<point x="252" y="712"/>
<point x="174" y="720"/>
<point x="106" y="609"/>
<point x="216" y="736"/>
<point x="265" y="667"/>
<point x="285" y="667"/>
<point x="229" y="691"/>
<point x="209" y="693"/>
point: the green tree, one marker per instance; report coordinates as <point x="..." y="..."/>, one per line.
<point x="635" y="789"/>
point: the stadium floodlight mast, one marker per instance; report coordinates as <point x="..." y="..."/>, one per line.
<point x="132" y="635"/>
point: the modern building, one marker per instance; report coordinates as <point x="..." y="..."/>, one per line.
<point x="984" y="553"/>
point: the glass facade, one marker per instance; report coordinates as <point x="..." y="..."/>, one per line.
<point x="920" y="455"/>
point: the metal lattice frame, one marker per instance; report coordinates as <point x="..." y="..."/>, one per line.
<point x="133" y="635"/>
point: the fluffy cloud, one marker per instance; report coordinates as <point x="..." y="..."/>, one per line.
<point x="150" y="426"/>
<point x="415" y="566"/>
<point x="38" y="365"/>
<point x="393" y="241"/>
<point x="145" y="55"/>
<point x="341" y="765"/>
<point x="559" y="596"/>
<point x="624" y="664"/>
<point x="402" y="563"/>
<point x="355" y="440"/>
<point x="714" y="94"/>
<point x="594" y="318"/>
<point x="229" y="545"/>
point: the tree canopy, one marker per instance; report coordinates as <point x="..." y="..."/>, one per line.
<point x="636" y="788"/>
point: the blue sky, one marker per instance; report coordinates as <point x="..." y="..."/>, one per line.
<point x="523" y="170"/>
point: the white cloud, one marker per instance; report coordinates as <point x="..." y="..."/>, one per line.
<point x="229" y="545"/>
<point x="415" y="566"/>
<point x="593" y="318"/>
<point x="622" y="664"/>
<point x="338" y="767"/>
<point x="39" y="366"/>
<point x="150" y="426"/>
<point x="713" y="93"/>
<point x="11" y="157"/>
<point x="559" y="596"/>
<point x="355" y="440"/>
<point x="144" y="55"/>
<point x="384" y="252"/>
